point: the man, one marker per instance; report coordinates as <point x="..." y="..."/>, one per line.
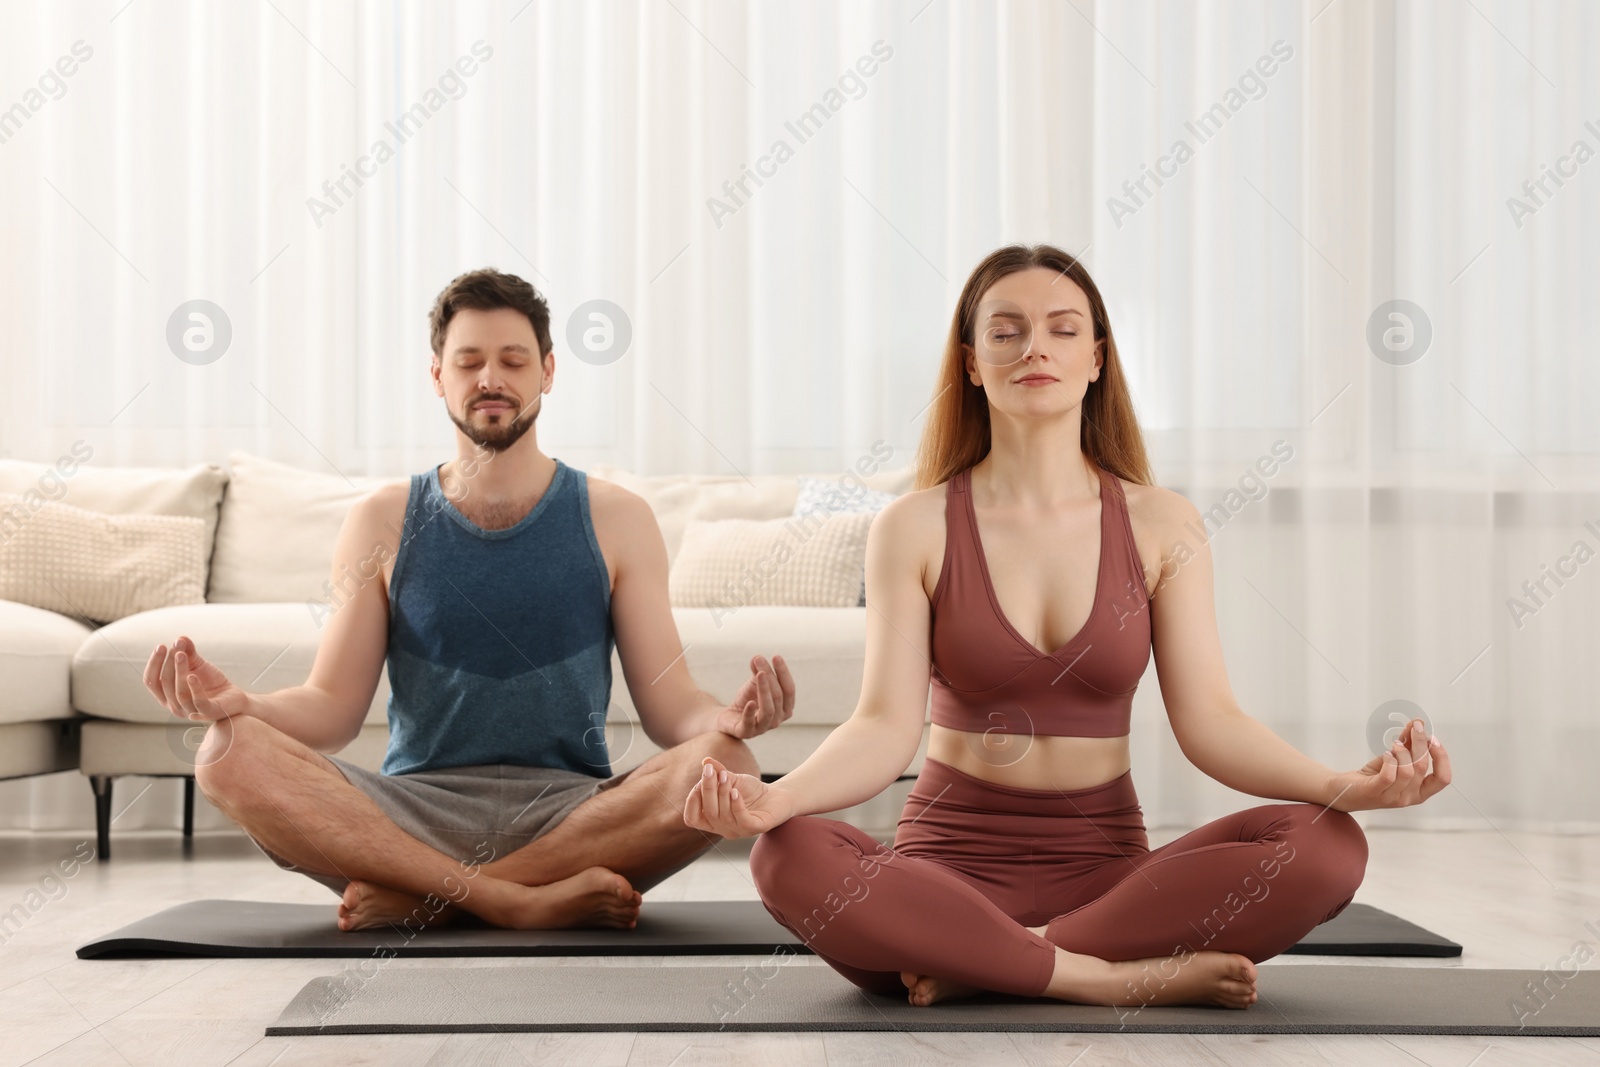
<point x="500" y="581"/>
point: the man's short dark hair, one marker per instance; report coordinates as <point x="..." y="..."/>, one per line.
<point x="486" y="290"/>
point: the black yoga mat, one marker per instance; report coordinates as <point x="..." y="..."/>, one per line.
<point x="243" y="928"/>
<point x="789" y="993"/>
<point x="1362" y="930"/>
<point x="259" y="928"/>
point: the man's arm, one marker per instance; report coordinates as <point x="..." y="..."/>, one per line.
<point x="327" y="712"/>
<point x="672" y="708"/>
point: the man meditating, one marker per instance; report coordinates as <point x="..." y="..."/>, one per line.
<point x="495" y="586"/>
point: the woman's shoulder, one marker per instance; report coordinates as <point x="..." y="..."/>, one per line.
<point x="915" y="509"/>
<point x="1163" y="520"/>
<point x="910" y="529"/>
<point x="1157" y="505"/>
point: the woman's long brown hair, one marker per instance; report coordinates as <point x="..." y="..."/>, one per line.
<point x="956" y="435"/>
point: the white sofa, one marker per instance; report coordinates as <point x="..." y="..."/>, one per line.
<point x="75" y="690"/>
<point x="38" y="726"/>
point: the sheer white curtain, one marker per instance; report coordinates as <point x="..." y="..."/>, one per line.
<point x="1340" y="157"/>
<point x="784" y="200"/>
<point x="604" y="151"/>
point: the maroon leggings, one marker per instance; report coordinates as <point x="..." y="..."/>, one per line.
<point x="975" y="863"/>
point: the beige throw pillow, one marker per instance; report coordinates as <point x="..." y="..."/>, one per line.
<point x="806" y="561"/>
<point x="278" y="528"/>
<point x="77" y="479"/>
<point x="97" y="566"/>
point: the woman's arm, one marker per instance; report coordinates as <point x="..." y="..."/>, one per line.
<point x="1216" y="736"/>
<point x="860" y="758"/>
<point x="1244" y="754"/>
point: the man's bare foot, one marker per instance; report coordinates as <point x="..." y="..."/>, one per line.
<point x="925" y="989"/>
<point x="596" y="896"/>
<point x="1224" y="979"/>
<point x="367" y="904"/>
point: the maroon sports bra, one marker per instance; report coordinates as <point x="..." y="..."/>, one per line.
<point x="987" y="677"/>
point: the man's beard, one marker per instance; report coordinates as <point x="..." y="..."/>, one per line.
<point x="499" y="433"/>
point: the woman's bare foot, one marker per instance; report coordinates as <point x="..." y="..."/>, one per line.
<point x="924" y="989"/>
<point x="595" y="896"/>
<point x="367" y="904"/>
<point x="1223" y="979"/>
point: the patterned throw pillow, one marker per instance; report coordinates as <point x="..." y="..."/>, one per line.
<point x="97" y="566"/>
<point x="810" y="561"/>
<point x="835" y="499"/>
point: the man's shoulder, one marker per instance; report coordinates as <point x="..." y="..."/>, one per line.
<point x="385" y="506"/>
<point x="616" y="503"/>
<point x="625" y="527"/>
<point x="392" y="493"/>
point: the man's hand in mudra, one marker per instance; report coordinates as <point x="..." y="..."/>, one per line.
<point x="191" y="686"/>
<point x="764" y="701"/>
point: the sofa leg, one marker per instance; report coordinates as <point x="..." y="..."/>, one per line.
<point x="101" y="783"/>
<point x="188" y="807"/>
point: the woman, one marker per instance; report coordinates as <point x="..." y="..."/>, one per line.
<point x="1020" y="863"/>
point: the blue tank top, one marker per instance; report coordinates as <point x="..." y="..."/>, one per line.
<point x="499" y="640"/>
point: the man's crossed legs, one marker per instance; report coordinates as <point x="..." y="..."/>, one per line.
<point x="586" y="871"/>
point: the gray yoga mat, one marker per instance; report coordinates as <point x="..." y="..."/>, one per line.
<point x="254" y="928"/>
<point x="790" y="993"/>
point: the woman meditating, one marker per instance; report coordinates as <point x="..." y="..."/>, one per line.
<point x="1027" y="578"/>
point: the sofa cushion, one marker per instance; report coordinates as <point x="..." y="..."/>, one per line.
<point x="809" y="560"/>
<point x="194" y="491"/>
<point x="260" y="647"/>
<point x="278" y="528"/>
<point x="100" y="566"/>
<point x="36" y="650"/>
<point x="263" y="647"/>
<point x="677" y="499"/>
<point x="821" y="645"/>
<point x="831" y="498"/>
<point x="261" y="557"/>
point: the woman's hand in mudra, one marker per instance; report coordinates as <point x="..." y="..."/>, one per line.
<point x="730" y="804"/>
<point x="1411" y="771"/>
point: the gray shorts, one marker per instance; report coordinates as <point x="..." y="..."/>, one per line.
<point x="471" y="814"/>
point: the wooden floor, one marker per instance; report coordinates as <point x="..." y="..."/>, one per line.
<point x="1514" y="900"/>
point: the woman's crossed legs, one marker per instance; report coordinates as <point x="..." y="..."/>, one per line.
<point x="1249" y="884"/>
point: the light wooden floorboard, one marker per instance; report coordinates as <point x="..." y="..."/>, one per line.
<point x="1514" y="900"/>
